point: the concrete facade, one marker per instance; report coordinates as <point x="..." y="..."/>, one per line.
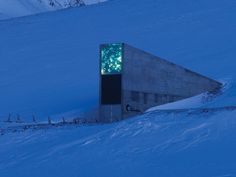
<point x="147" y="81"/>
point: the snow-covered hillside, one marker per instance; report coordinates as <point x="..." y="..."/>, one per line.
<point x="49" y="63"/>
<point x="16" y="8"/>
<point x="49" y="66"/>
<point x="166" y="145"/>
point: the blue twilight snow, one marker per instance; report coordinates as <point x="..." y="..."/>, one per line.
<point x="49" y="65"/>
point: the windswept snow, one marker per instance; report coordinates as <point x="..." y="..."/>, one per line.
<point x="49" y="63"/>
<point x="204" y="100"/>
<point x="49" y="66"/>
<point x="151" y="145"/>
<point x="17" y="8"/>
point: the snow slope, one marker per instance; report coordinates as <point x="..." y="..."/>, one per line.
<point x="49" y="66"/>
<point x="16" y="8"/>
<point x="49" y="62"/>
<point x="153" y="145"/>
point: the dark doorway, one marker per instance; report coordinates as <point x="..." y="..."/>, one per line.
<point x="111" y="89"/>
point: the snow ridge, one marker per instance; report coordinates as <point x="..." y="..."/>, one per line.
<point x="16" y="8"/>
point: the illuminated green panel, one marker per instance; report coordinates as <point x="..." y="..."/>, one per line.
<point x="111" y="59"/>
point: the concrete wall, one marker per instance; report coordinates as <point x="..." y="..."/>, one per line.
<point x="110" y="113"/>
<point x="149" y="81"/>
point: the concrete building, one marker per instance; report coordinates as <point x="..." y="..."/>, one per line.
<point x="131" y="81"/>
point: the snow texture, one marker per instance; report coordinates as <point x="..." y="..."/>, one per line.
<point x="16" y="8"/>
<point x="49" y="66"/>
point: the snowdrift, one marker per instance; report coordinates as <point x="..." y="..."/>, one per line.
<point x="49" y="62"/>
<point x="18" y="8"/>
<point x="49" y="66"/>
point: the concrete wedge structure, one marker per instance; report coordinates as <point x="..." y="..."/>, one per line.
<point x="132" y="80"/>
